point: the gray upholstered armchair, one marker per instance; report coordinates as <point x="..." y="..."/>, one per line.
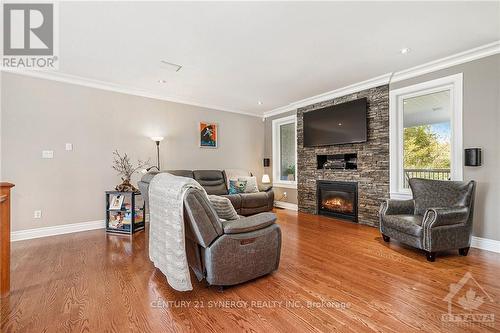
<point x="229" y="252"/>
<point x="438" y="218"/>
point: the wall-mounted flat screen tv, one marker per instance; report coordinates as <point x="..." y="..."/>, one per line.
<point x="336" y="124"/>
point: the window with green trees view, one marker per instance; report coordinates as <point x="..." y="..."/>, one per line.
<point x="285" y="151"/>
<point x="427" y="147"/>
<point x="427" y="137"/>
<point x="426" y="132"/>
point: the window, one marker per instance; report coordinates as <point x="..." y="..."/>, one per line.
<point x="426" y="132"/>
<point x="285" y="152"/>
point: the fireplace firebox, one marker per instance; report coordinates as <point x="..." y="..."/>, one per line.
<point x="338" y="199"/>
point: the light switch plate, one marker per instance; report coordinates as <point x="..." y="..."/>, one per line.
<point x="47" y="154"/>
<point x="69" y="146"/>
<point x="37" y="214"/>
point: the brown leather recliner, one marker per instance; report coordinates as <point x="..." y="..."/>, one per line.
<point x="214" y="182"/>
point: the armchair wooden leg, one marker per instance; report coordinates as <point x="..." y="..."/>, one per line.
<point x="463" y="251"/>
<point x="431" y="256"/>
<point x="387" y="239"/>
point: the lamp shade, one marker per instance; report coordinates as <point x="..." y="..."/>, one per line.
<point x="265" y="179"/>
<point x="157" y="138"/>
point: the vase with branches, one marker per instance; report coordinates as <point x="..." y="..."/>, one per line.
<point x="125" y="169"/>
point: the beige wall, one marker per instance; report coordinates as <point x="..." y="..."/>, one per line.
<point x="45" y="115"/>
<point x="481" y="119"/>
<point x="268" y="152"/>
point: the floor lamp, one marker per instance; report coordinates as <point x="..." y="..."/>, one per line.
<point x="157" y="139"/>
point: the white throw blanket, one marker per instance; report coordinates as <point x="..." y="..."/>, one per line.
<point x="167" y="245"/>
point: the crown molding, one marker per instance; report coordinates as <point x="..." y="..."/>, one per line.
<point x="446" y="62"/>
<point x="432" y="66"/>
<point x="371" y="83"/>
<point x="453" y="60"/>
<point x="103" y="85"/>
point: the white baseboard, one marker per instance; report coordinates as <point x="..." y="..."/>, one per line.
<point x="286" y="205"/>
<point x="56" y="230"/>
<point x="485" y="244"/>
<point x="477" y="242"/>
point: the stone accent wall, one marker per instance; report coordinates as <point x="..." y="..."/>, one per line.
<point x="372" y="174"/>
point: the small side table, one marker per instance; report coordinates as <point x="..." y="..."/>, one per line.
<point x="125" y="212"/>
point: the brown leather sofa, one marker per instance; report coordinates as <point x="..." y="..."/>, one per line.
<point x="215" y="182"/>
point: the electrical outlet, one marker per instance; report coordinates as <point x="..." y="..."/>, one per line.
<point x="69" y="147"/>
<point x="285" y="195"/>
<point x="47" y="154"/>
<point x="37" y="214"/>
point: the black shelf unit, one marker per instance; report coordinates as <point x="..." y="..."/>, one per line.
<point x="337" y="162"/>
<point x="132" y="218"/>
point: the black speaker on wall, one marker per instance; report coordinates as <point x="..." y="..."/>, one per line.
<point x="473" y="157"/>
<point x="267" y="162"/>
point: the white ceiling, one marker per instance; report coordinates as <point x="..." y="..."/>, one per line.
<point x="235" y="54"/>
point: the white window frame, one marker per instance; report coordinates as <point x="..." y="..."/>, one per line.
<point x="453" y="83"/>
<point x="277" y="182"/>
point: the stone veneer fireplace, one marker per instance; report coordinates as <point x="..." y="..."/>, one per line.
<point x="372" y="159"/>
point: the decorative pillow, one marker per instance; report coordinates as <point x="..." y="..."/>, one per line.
<point x="236" y="186"/>
<point x="234" y="174"/>
<point x="223" y="207"/>
<point x="252" y="186"/>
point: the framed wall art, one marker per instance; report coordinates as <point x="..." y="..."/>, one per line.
<point x="208" y="135"/>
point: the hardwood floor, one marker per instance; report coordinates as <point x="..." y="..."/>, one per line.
<point x="334" y="276"/>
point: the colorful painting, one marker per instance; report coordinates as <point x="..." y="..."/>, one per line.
<point x="208" y="135"/>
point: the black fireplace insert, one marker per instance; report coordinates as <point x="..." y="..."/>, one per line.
<point x="338" y="199"/>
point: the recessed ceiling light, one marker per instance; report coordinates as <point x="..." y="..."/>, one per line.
<point x="340" y="124"/>
<point x="260" y="102"/>
<point x="405" y="50"/>
<point x="162" y="81"/>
